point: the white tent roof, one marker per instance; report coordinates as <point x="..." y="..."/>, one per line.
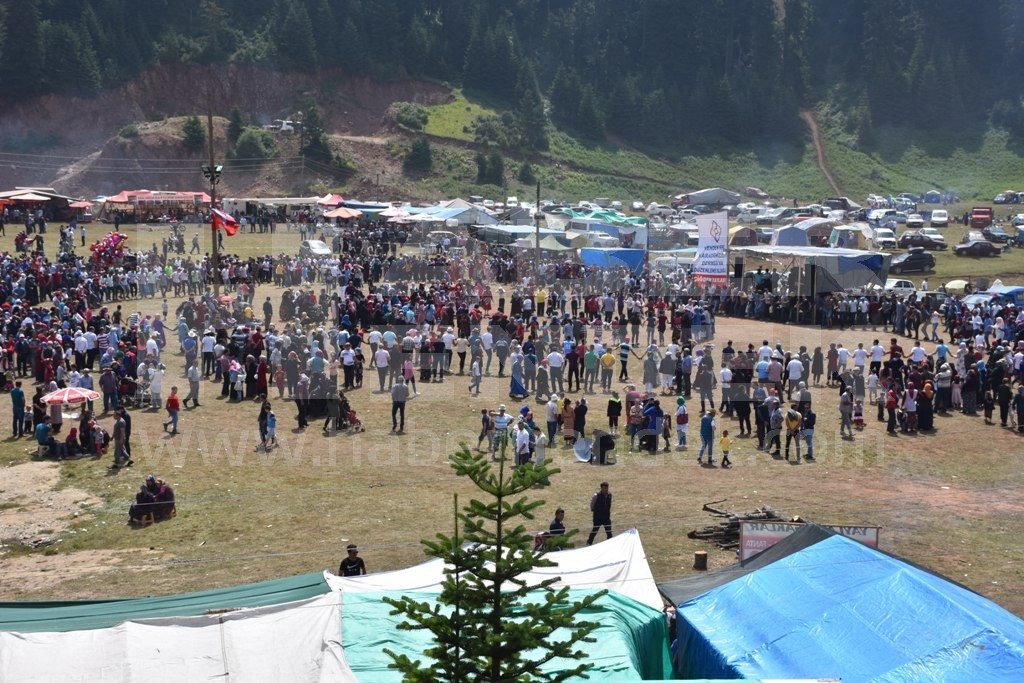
<point x="295" y="641"/>
<point x="618" y="564"/>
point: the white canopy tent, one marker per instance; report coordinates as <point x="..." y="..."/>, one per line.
<point x="295" y="641"/>
<point x="618" y="564"/>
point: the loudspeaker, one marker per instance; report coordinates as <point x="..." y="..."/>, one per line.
<point x="737" y="269"/>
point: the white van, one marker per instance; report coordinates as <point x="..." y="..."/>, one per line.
<point x="940" y="218"/>
<point x="512" y="203"/>
<point x="884" y="238"/>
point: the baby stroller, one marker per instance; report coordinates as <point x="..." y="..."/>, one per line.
<point x="352" y="422"/>
<point x="128" y="389"/>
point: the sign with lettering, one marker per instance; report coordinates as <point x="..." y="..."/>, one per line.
<point x="710" y="266"/>
<point x="758" y="536"/>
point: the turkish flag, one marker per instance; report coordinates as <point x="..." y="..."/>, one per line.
<point x="225" y="221"/>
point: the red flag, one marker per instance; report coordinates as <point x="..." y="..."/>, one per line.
<point x="225" y="221"/>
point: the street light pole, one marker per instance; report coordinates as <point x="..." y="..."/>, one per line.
<point x="212" y="173"/>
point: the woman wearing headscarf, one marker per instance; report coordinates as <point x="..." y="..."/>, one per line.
<point x="568" y="421"/>
<point x="291" y="372"/>
<point x="302" y="400"/>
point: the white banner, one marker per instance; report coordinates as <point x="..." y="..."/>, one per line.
<point x="711" y="266"/>
<point x="758" y="536"/>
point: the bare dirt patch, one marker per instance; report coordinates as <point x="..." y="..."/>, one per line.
<point x="39" y="575"/>
<point x="31" y="506"/>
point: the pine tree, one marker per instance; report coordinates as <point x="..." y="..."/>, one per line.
<point x="590" y="121"/>
<point x="193" y="134"/>
<point x="531" y="121"/>
<point x="419" y="158"/>
<point x="496" y="169"/>
<point x="236" y="124"/>
<point x="22" y="67"/>
<point x="489" y="624"/>
<point x="482" y="169"/>
<point x="526" y="174"/>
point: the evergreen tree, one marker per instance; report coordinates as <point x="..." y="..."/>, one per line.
<point x="295" y="47"/>
<point x="255" y="144"/>
<point x="482" y="169"/>
<point x="489" y="624"/>
<point x="565" y="95"/>
<point x="590" y="122"/>
<point x="496" y="169"/>
<point x="419" y="158"/>
<point x="193" y="134"/>
<point x="235" y="124"/>
<point x="316" y="147"/>
<point x="526" y="174"/>
<point x="22" y="68"/>
<point x="530" y="118"/>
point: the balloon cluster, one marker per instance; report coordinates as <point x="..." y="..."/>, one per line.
<point x="109" y="250"/>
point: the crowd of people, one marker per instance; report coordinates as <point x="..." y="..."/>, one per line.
<point x="303" y="329"/>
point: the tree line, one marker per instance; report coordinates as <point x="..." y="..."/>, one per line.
<point x="650" y="71"/>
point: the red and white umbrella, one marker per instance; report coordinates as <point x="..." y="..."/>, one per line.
<point x="70" y="395"/>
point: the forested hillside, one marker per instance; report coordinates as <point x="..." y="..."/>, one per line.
<point x="684" y="72"/>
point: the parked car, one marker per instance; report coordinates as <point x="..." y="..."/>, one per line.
<point x="636" y="206"/>
<point x="915" y="220"/>
<point x="687" y="214"/>
<point x="764" y="234"/>
<point x="940" y="218"/>
<point x="934" y="234"/>
<point x="617" y="205"/>
<point x="916" y="239"/>
<point x="884" y="238"/>
<point x="995" y="233"/>
<point x="912" y="260"/>
<point x="314" y="248"/>
<point x="901" y="287"/>
<point x="976" y="248"/>
<point x="1018" y="219"/>
<point x="655" y="209"/>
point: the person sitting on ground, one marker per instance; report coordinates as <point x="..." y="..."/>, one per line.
<point x="145" y="504"/>
<point x="165" y="506"/>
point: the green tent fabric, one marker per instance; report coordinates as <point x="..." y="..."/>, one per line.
<point x="631" y="643"/>
<point x="610" y="217"/>
<point x="32" y="617"/>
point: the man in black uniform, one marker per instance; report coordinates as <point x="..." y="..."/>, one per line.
<point x="601" y="507"/>
<point x="352" y="565"/>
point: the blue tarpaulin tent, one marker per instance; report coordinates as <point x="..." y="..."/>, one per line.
<point x="614" y="258"/>
<point x="841" y="609"/>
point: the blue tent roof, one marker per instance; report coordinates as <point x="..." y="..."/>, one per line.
<point x="841" y="609"/>
<point x="613" y="258"/>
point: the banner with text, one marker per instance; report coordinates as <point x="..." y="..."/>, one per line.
<point x="710" y="267"/>
<point x="758" y="536"/>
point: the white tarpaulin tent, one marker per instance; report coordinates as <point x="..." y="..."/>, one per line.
<point x="618" y="564"/>
<point x="295" y="641"/>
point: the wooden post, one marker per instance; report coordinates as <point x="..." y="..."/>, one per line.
<point x="700" y="560"/>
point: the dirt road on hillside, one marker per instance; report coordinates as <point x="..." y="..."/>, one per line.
<point x="808" y="118"/>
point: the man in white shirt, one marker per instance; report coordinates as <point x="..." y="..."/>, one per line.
<point x="725" y="380"/>
<point x="448" y="338"/>
<point x="382" y="359"/>
<point x="765" y="352"/>
<point x="522" y="444"/>
<point x="487" y="339"/>
<point x="794" y="373"/>
<point x="877" y="354"/>
<point x="373" y="339"/>
<point x="551" y="416"/>
<point x="860" y="356"/>
<point x="555" y="362"/>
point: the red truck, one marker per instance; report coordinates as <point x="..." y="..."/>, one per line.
<point x="981" y="217"/>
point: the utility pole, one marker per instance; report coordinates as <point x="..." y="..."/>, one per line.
<point x="212" y="173"/>
<point x="537" y="215"/>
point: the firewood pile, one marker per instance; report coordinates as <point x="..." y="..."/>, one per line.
<point x="726" y="534"/>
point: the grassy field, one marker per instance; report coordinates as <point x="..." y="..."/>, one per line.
<point x="941" y="500"/>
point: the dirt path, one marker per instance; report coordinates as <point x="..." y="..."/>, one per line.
<point x="808" y="118"/>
